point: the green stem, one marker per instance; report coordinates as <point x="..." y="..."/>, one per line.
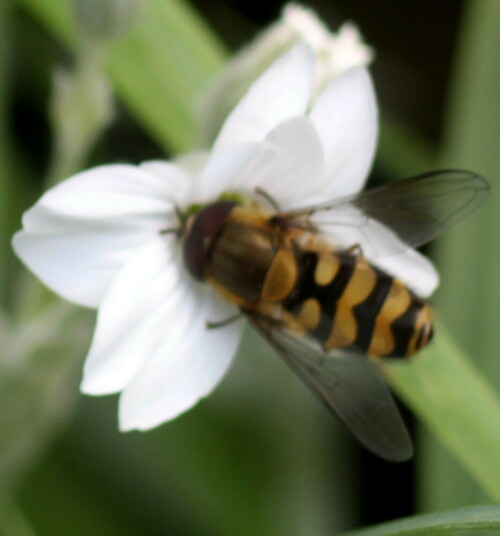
<point x="457" y="403"/>
<point x="468" y="257"/>
<point x="463" y="520"/>
<point x="12" y="520"/>
<point x="402" y="150"/>
<point x="5" y="170"/>
<point x="81" y="110"/>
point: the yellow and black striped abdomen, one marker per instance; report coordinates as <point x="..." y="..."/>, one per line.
<point x="344" y="302"/>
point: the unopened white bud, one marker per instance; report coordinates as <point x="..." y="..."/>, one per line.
<point x="335" y="53"/>
<point x="104" y="19"/>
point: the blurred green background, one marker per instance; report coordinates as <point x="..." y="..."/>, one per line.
<point x="259" y="456"/>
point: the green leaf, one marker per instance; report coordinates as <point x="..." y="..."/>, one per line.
<point x="13" y="521"/>
<point x="472" y="141"/>
<point x="453" y="399"/>
<point x="158" y="68"/>
<point x="469" y="257"/>
<point x="229" y="459"/>
<point x="402" y="150"/>
<point x="465" y="519"/>
<point x="39" y="369"/>
<point x="83" y="508"/>
<point x="5" y="171"/>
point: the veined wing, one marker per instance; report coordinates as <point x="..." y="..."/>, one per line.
<point x="393" y="217"/>
<point x="349" y="385"/>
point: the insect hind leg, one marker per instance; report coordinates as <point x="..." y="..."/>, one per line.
<point x="225" y="322"/>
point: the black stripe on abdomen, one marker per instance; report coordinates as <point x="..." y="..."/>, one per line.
<point x="366" y="312"/>
<point x="326" y="295"/>
<point x="403" y="328"/>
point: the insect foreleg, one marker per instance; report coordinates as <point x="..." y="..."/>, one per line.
<point x="268" y="198"/>
<point x="355" y="250"/>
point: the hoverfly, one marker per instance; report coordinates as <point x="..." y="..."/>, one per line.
<point x="314" y="296"/>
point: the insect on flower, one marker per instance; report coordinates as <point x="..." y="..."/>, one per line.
<point x="326" y="310"/>
<point x="172" y="254"/>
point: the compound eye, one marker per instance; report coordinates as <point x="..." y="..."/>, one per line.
<point x="198" y="240"/>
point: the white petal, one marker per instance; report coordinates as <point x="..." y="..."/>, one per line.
<point x="140" y="309"/>
<point x="346" y="227"/>
<point x="193" y="161"/>
<point x="282" y="92"/>
<point x="345" y="115"/>
<point x="78" y="264"/>
<point x="104" y="192"/>
<point x="184" y="367"/>
<point x="287" y="165"/>
<point x="384" y="249"/>
<point x="179" y="178"/>
<point x="298" y="165"/>
<point x="81" y="232"/>
<point x="415" y="270"/>
<point x="227" y="169"/>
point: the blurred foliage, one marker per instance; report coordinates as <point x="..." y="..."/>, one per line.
<point x="451" y="396"/>
<point x="249" y="460"/>
<point x="158" y="67"/>
<point x="469" y="255"/>
<point x="475" y="519"/>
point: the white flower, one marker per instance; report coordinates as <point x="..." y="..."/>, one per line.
<point x="335" y="53"/>
<point x="96" y="239"/>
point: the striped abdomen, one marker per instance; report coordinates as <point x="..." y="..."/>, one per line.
<point x="344" y="302"/>
<point x="285" y="274"/>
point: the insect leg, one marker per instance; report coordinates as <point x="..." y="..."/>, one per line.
<point x="171" y="230"/>
<point x="268" y="198"/>
<point x="225" y="322"/>
<point x="355" y="250"/>
<point x="179" y="231"/>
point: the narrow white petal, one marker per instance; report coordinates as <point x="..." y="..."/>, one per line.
<point x="104" y="192"/>
<point x="384" y="249"/>
<point x="183" y="367"/>
<point x="345" y="115"/>
<point x="141" y="308"/>
<point x="193" y="161"/>
<point x="80" y="262"/>
<point x="178" y="178"/>
<point x="282" y="92"/>
<point x="81" y="232"/>
<point x="346" y="227"/>
<point x="287" y="165"/>
<point x="296" y="170"/>
<point x="415" y="270"/>
<point x="227" y="169"/>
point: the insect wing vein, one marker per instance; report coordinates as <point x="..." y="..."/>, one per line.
<point x="404" y="214"/>
<point x="349" y="385"/>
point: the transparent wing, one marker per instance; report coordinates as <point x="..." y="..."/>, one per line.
<point x="408" y="213"/>
<point x="349" y="385"/>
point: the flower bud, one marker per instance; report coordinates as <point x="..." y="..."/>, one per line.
<point x="335" y="53"/>
<point x="103" y="19"/>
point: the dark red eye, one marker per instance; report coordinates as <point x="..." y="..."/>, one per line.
<point x="207" y="223"/>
